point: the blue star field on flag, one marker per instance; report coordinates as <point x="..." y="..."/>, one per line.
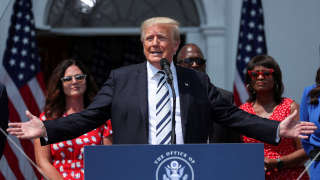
<point x="251" y="36"/>
<point x="251" y="42"/>
<point x="21" y="58"/>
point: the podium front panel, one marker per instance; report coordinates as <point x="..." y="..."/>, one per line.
<point x="174" y="162"/>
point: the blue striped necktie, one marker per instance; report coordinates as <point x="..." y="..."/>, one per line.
<point x="163" y="111"/>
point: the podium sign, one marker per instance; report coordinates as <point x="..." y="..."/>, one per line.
<point x="174" y="162"/>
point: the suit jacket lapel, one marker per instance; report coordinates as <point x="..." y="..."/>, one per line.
<point x="142" y="88"/>
<point x="184" y="88"/>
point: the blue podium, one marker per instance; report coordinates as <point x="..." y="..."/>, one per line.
<point x="174" y="162"/>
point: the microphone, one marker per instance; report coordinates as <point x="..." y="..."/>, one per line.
<point x="164" y="63"/>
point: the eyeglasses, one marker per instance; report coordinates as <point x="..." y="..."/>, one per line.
<point x="190" y="61"/>
<point x="265" y="73"/>
<point x="77" y="77"/>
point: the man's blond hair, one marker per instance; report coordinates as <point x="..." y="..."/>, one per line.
<point x="161" y="20"/>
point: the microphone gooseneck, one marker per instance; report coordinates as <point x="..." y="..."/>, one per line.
<point x="165" y="66"/>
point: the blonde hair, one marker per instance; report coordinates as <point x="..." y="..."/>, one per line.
<point x="161" y="20"/>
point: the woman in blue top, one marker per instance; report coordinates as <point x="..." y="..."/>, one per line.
<point x="310" y="111"/>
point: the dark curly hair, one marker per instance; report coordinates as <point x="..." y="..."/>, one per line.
<point x="55" y="100"/>
<point x="268" y="62"/>
<point x="315" y="92"/>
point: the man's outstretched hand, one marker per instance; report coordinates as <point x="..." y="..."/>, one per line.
<point x="34" y="128"/>
<point x="291" y="127"/>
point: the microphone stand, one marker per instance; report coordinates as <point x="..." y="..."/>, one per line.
<point x="165" y="65"/>
<point x="173" y="122"/>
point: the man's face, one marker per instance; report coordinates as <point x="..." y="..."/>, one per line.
<point x="191" y="57"/>
<point x="159" y="43"/>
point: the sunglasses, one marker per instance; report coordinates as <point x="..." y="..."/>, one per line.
<point x="190" y="61"/>
<point x="265" y="73"/>
<point x="77" y="77"/>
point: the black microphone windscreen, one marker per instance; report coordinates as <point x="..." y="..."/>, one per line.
<point x="164" y="62"/>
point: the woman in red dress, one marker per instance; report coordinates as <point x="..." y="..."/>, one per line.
<point x="265" y="88"/>
<point x="70" y="90"/>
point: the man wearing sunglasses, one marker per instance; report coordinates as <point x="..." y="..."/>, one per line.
<point x="190" y="56"/>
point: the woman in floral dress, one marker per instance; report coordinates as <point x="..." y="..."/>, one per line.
<point x="70" y="90"/>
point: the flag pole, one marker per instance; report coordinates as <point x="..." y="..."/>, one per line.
<point x="5" y="9"/>
<point x="24" y="154"/>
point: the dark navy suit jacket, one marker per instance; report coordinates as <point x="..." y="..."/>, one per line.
<point x="4" y="113"/>
<point x="123" y="98"/>
<point x="221" y="134"/>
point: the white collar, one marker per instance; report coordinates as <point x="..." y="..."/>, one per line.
<point x="152" y="71"/>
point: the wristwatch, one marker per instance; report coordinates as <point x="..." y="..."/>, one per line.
<point x="279" y="164"/>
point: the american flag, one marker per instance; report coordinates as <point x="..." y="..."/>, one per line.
<point x="20" y="72"/>
<point x="251" y="42"/>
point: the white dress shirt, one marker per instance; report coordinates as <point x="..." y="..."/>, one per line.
<point x="153" y="80"/>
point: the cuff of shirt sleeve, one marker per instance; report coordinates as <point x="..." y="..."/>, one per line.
<point x="44" y="140"/>
<point x="278" y="136"/>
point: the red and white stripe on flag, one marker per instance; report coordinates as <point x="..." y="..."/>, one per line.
<point x="22" y="76"/>
<point x="251" y="42"/>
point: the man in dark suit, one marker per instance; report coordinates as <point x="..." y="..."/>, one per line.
<point x="191" y="56"/>
<point x="4" y="112"/>
<point x="129" y="98"/>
